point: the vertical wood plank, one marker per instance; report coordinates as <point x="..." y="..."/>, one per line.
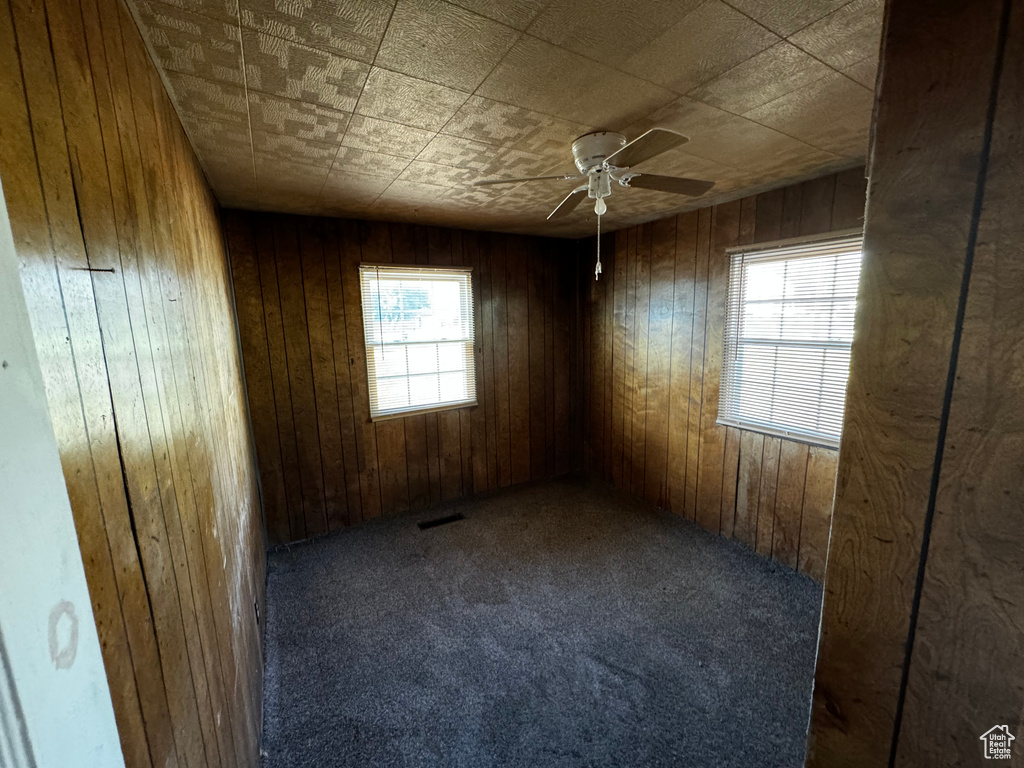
<point x="259" y="383"/>
<point x="391" y="455"/>
<point x="499" y="334"/>
<point x="768" y="217"/>
<point x="608" y="322"/>
<point x="485" y="377"/>
<point x="417" y="466"/>
<point x="344" y="364"/>
<point x="324" y="370"/>
<point x="792" y="208"/>
<point x="594" y="303"/>
<point x="848" y="202"/>
<point x="545" y="252"/>
<point x="266" y="261"/>
<point x="766" y="496"/>
<point x="816" y="203"/>
<point x="642" y="333"/>
<point x="450" y="438"/>
<point x="748" y="487"/>
<point x="730" y="480"/>
<point x="98" y="174"/>
<point x="819" y="489"/>
<point x="300" y="372"/>
<point x="789" y="498"/>
<point x="725" y="233"/>
<point x="659" y="353"/>
<point x="680" y="379"/>
<point x="629" y="357"/>
<point x="564" y="340"/>
<point x="517" y="296"/>
<point x="366" y="436"/>
<point x="700" y="310"/>
<point x="537" y="361"/>
<point x="619" y="332"/>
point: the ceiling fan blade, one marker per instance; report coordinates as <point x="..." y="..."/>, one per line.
<point x="646" y="146"/>
<point x="675" y="184"/>
<point x="568" y="205"/>
<point x="488" y="182"/>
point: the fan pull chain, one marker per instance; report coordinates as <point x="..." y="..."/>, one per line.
<point x="597" y="269"/>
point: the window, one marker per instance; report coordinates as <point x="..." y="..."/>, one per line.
<point x="789" y="326"/>
<point x="418" y="323"/>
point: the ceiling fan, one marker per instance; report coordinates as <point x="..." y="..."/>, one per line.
<point x="604" y="157"/>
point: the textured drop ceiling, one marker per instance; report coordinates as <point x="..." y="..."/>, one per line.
<point x="389" y="110"/>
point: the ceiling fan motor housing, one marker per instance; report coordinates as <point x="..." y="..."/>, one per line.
<point x="591" y="150"/>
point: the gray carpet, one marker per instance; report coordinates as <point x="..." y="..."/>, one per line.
<point x="557" y="625"/>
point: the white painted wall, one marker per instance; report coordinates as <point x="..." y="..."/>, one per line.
<point x="52" y="654"/>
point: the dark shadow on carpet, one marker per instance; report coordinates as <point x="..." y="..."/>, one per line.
<point x="556" y="625"/>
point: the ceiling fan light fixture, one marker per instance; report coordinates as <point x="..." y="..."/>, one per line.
<point x="605" y="156"/>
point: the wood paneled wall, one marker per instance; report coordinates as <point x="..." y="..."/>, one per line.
<point x="923" y="622"/>
<point x="126" y="280"/>
<point x="323" y="463"/>
<point x="652" y="360"/>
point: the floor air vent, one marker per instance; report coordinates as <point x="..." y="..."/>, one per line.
<point x="440" y="521"/>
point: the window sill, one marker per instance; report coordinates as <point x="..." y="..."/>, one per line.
<point x="795" y="437"/>
<point x="422" y="411"/>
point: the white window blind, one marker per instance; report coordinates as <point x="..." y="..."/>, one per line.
<point x="789" y="327"/>
<point x="418" y="324"/>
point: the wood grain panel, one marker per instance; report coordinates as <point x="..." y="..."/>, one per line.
<point x="517" y="281"/>
<point x="921" y="633"/>
<point x="565" y="358"/>
<point x="537" y="379"/>
<point x="524" y="293"/>
<point x="128" y="287"/>
<point x="965" y="666"/>
<point x="618" y="333"/>
<point x="499" y="338"/>
<point x="730" y="481"/>
<point x="294" y="320"/>
<point x="659" y="361"/>
<point x="641" y="324"/>
<point x="766" y="495"/>
<point x="629" y="343"/>
<point x="724" y="234"/>
<point x="342" y="370"/>
<point x="748" y="486"/>
<point x="816" y="516"/>
<point x="697" y="335"/>
<point x="485" y="279"/>
<point x="656" y="321"/>
<point x="684" y="281"/>
<point x="366" y="434"/>
<point x="324" y="370"/>
<point x="294" y="523"/>
<point x="789" y="501"/>
<point x="607" y="344"/>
